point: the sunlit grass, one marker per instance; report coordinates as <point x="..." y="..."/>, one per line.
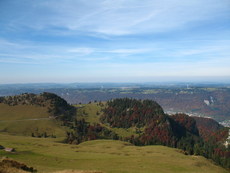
<point x="110" y="156"/>
<point x="28" y="119"/>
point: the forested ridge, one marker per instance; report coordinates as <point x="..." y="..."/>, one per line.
<point x="125" y="113"/>
<point x="153" y="127"/>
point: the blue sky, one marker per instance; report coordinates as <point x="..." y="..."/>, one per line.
<point x="113" y="40"/>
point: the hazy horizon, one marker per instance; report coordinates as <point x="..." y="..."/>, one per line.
<point x="114" y="41"/>
<point x="134" y="80"/>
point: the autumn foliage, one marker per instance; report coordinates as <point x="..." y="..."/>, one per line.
<point x="193" y="135"/>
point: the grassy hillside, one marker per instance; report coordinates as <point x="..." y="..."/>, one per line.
<point x="179" y="131"/>
<point x="48" y="155"/>
<point x="21" y="112"/>
<point x="27" y="127"/>
<point x="91" y="113"/>
<point x="28" y="119"/>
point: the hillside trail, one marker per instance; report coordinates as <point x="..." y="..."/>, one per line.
<point x="29" y="119"/>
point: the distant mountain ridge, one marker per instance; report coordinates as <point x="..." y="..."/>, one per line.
<point x="211" y="100"/>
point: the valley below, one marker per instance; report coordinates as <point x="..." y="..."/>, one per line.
<point x="205" y="100"/>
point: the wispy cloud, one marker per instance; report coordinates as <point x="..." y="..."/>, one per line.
<point x="6" y="44"/>
<point x="114" y="38"/>
<point x="82" y="50"/>
<point x="127" y="51"/>
<point x="202" y="50"/>
<point x="116" y="18"/>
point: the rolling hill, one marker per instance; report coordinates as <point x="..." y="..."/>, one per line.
<point x="143" y="122"/>
<point x="108" y="156"/>
<point x="28" y="114"/>
<point x="140" y="122"/>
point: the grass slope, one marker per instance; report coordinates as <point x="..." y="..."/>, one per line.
<point x="20" y="112"/>
<point x="91" y="112"/>
<point x="48" y="155"/>
<point x="27" y="119"/>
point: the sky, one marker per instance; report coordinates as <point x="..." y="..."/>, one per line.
<point x="114" y="40"/>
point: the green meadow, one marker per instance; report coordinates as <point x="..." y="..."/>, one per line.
<point x="21" y="112"/>
<point x="49" y="155"/>
<point x="28" y="119"/>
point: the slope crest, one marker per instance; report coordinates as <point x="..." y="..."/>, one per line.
<point x="56" y="106"/>
<point x="126" y="113"/>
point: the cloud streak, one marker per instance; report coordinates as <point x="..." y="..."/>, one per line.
<point x="120" y="18"/>
<point x="106" y="38"/>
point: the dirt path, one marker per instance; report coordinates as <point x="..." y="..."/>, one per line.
<point x="31" y="119"/>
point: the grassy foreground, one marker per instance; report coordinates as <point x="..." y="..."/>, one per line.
<point x="49" y="155"/>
